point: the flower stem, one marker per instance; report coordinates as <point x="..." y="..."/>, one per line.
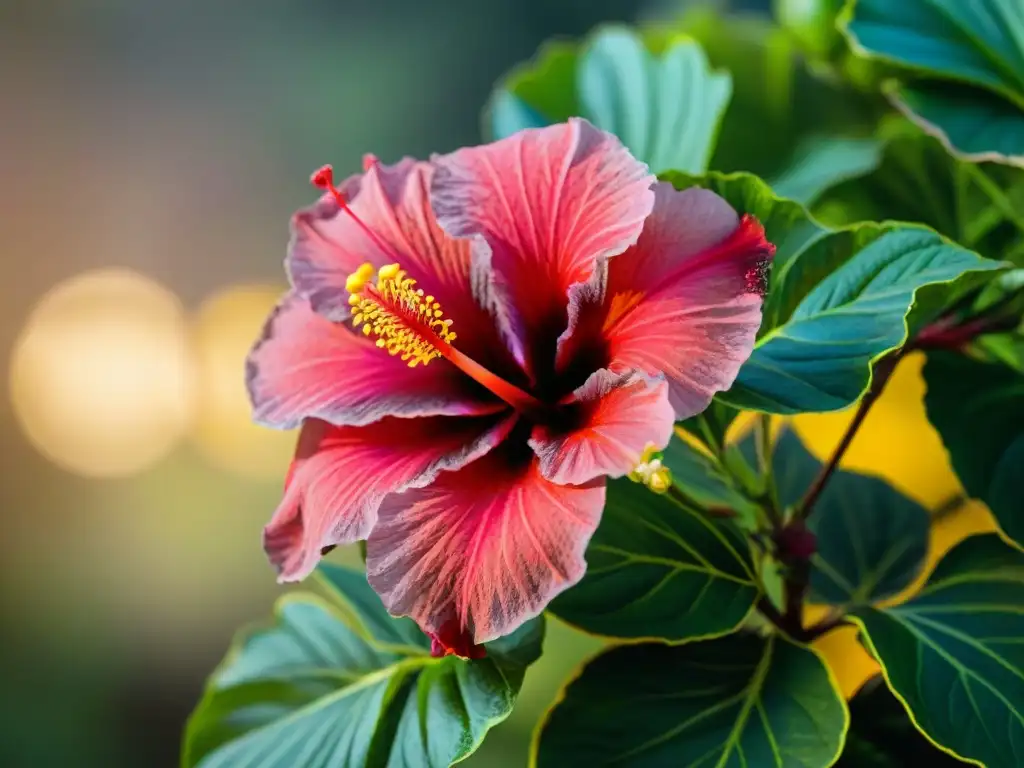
<point x="796" y="559"/>
<point x="883" y="371"/>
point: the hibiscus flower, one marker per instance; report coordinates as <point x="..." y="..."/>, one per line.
<point x="472" y="345"/>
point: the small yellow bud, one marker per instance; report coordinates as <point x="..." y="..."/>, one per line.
<point x="660" y="480"/>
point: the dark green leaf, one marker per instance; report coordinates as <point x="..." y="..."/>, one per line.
<point x="1002" y="298"/>
<point x="820" y="357"/>
<point x="978" y="206"/>
<point x="917" y="180"/>
<point x="973" y="124"/>
<point x="711" y="425"/>
<point x="976" y="44"/>
<point x="872" y="540"/>
<point x="702" y="478"/>
<point x="655" y="569"/>
<point x="741" y="700"/>
<point x="1004" y="348"/>
<point x="882" y="735"/>
<point x="1003" y="295"/>
<point x="978" y="409"/>
<point x="954" y="655"/>
<point x="666" y="108"/>
<point x="339" y="682"/>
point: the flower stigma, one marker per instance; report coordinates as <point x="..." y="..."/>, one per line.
<point x="651" y="472"/>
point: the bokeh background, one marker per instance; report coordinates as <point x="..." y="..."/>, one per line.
<point x="150" y="155"/>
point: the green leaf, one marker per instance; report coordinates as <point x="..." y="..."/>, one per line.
<point x="882" y="735"/>
<point x="837" y="300"/>
<point x="711" y="425"/>
<point x="701" y="477"/>
<point x="978" y="45"/>
<point x="1004" y="294"/>
<point x="872" y="540"/>
<point x="823" y="162"/>
<point x="741" y="700"/>
<point x="979" y="206"/>
<point x="954" y="655"/>
<point x="973" y="124"/>
<point x="978" y="410"/>
<point x="616" y="79"/>
<point x="777" y="105"/>
<point x="819" y="358"/>
<point x="917" y="180"/>
<point x="655" y="569"/>
<point x="666" y="108"/>
<point x="339" y="682"/>
<point x="811" y="22"/>
<point x="1004" y="348"/>
<point x="546" y="85"/>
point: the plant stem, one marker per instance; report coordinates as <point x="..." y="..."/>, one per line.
<point x="797" y="577"/>
<point x="824" y="626"/>
<point x="949" y="506"/>
<point x="798" y="567"/>
<point x="797" y="564"/>
<point x="883" y="371"/>
<point x="770" y="612"/>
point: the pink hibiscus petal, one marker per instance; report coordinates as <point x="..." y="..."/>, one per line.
<point x="341" y="474"/>
<point x="684" y="301"/>
<point x="393" y="203"/>
<point x="487" y="546"/>
<point x="305" y="366"/>
<point x="541" y="207"/>
<point x="616" y="417"/>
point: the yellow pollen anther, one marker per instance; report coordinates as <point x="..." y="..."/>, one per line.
<point x="651" y="472"/>
<point x="355" y="282"/>
<point x="404" y="320"/>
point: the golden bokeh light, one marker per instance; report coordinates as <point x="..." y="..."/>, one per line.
<point x="100" y="377"/>
<point x="226" y="326"/>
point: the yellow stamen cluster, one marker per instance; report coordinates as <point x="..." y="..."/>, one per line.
<point x="398" y="313"/>
<point x="651" y="472"/>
